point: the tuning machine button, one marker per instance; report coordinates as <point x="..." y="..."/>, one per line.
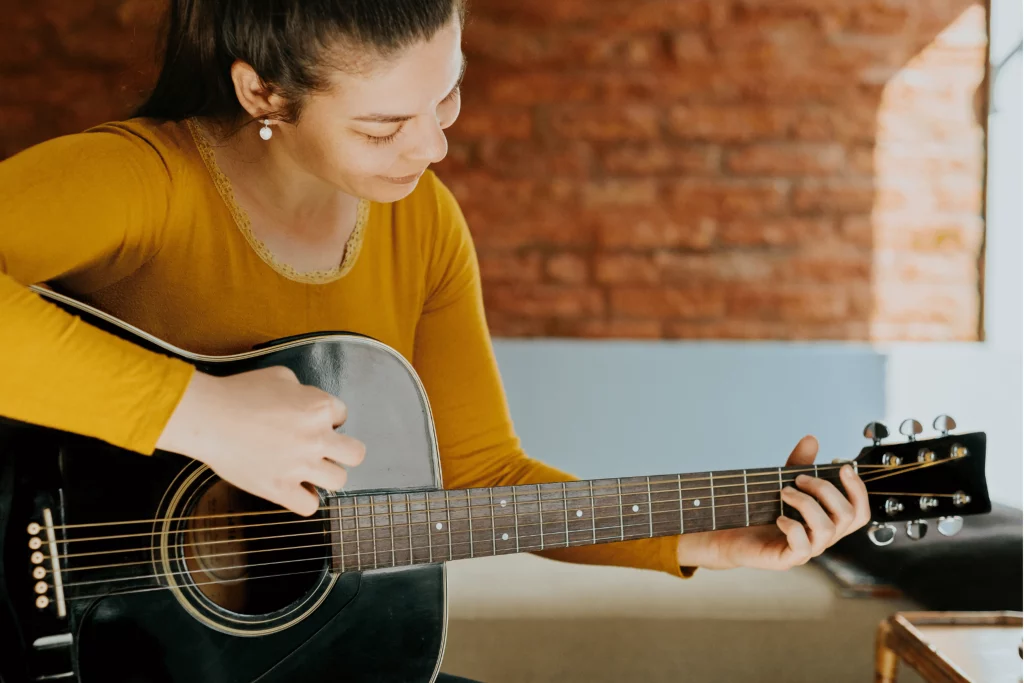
<point x="950" y="526"/>
<point x="910" y="428"/>
<point x="876" y="431"/>
<point x="917" y="528"/>
<point x="882" y="534"/>
<point x="945" y="424"/>
<point x="893" y="507"/>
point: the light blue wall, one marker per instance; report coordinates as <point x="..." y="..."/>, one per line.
<point x="599" y="408"/>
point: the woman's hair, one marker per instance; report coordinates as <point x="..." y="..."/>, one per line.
<point x="291" y="44"/>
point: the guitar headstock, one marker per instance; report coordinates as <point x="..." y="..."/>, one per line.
<point x="912" y="481"/>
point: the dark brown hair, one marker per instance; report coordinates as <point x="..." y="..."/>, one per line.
<point x="287" y="42"/>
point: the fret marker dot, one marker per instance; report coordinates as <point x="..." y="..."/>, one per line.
<point x="636" y="508"/>
<point x="504" y="537"/>
<point x="696" y="503"/>
<point x="503" y="503"/>
<point x="438" y="526"/>
<point x="579" y="513"/>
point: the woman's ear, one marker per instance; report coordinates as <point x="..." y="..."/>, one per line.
<point x="253" y="94"/>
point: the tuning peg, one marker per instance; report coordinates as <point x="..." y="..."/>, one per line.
<point x="950" y="526"/>
<point x="945" y="424"/>
<point x="917" y="529"/>
<point x="910" y="428"/>
<point x="882" y="534"/>
<point x="876" y="431"/>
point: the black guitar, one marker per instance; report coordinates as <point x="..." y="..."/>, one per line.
<point x="119" y="567"/>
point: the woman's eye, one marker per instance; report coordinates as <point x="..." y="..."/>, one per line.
<point x="452" y="95"/>
<point x="383" y="140"/>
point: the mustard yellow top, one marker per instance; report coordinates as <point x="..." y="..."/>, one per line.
<point x="136" y="219"/>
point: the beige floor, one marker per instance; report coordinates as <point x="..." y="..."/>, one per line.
<point x="522" y="618"/>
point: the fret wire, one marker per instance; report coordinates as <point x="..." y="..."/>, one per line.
<point x="515" y="515"/>
<point x="448" y="504"/>
<point x="469" y="515"/>
<point x="622" y="526"/>
<point x="782" y="509"/>
<point x="391" y="525"/>
<point x="540" y="513"/>
<point x="494" y="527"/>
<point x="355" y="521"/>
<point x="341" y="540"/>
<point x="593" y="524"/>
<point x="650" y="506"/>
<point x="682" y="526"/>
<point x="714" y="524"/>
<point x="565" y="506"/>
<point x="408" y="519"/>
<point x="815" y="470"/>
<point x="746" y="496"/>
<point x="430" y="536"/>
<point x="373" y="529"/>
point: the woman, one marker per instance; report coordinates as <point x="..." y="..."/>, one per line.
<point x="276" y="182"/>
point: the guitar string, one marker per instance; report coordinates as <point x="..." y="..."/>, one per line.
<point x="370" y="503"/>
<point x="373" y="517"/>
<point x="773" y="501"/>
<point x="400" y="525"/>
<point x="387" y="551"/>
<point x="771" y="473"/>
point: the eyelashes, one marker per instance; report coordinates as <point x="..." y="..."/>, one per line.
<point x="386" y="139"/>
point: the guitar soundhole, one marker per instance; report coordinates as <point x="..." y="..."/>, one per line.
<point x="247" y="556"/>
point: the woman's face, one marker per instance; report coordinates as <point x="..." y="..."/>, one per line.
<point x="373" y="135"/>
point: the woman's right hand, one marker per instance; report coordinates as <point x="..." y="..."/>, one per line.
<point x="265" y="433"/>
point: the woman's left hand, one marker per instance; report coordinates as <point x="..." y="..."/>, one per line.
<point x="828" y="516"/>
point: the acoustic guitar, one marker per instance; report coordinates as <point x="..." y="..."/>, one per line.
<point x="122" y="568"/>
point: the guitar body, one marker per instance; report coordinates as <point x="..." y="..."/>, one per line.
<point x="138" y="608"/>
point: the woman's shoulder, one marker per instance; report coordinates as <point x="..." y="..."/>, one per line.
<point x="171" y="141"/>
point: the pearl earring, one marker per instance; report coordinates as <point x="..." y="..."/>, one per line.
<point x="265" y="131"/>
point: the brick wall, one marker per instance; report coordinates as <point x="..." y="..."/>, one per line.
<point x="773" y="169"/>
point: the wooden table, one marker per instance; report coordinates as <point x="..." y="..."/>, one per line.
<point x="951" y="647"/>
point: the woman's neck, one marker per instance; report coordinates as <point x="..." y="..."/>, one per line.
<point x="268" y="182"/>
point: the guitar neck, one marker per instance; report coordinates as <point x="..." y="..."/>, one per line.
<point x="401" y="529"/>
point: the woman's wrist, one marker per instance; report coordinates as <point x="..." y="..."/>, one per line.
<point x="700" y="550"/>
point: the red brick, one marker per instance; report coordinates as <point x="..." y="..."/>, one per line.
<point x="653" y="228"/>
<point x="508" y="226"/>
<point x="784" y="159"/>
<point x="943" y="303"/>
<point x="730" y="198"/>
<point x="777" y="232"/>
<point x="567" y="268"/>
<point x="504" y="325"/>
<point x="620" y="193"/>
<point x="658" y="158"/>
<point x="690" y="48"/>
<point x="834" y="196"/>
<point x="494" y="122"/>
<point x="539" y="301"/>
<point x="530" y="88"/>
<point x="730" y="123"/>
<point x="789" y="302"/>
<point x="625" y="268"/>
<point x="517" y="159"/>
<point x="607" y="329"/>
<point x="879" y="17"/>
<point x="503" y="266"/>
<point x="667" y="302"/>
<point x="829" y="263"/>
<point x="726" y="266"/>
<point x="633" y="122"/>
<point x="766" y="329"/>
<point x="838" y="123"/>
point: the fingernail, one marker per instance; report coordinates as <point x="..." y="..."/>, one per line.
<point x="803" y="479"/>
<point x="788" y="491"/>
<point x="846" y="471"/>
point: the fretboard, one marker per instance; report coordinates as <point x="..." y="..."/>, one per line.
<point x="396" y="529"/>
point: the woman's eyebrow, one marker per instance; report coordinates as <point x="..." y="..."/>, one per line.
<point x="399" y="118"/>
